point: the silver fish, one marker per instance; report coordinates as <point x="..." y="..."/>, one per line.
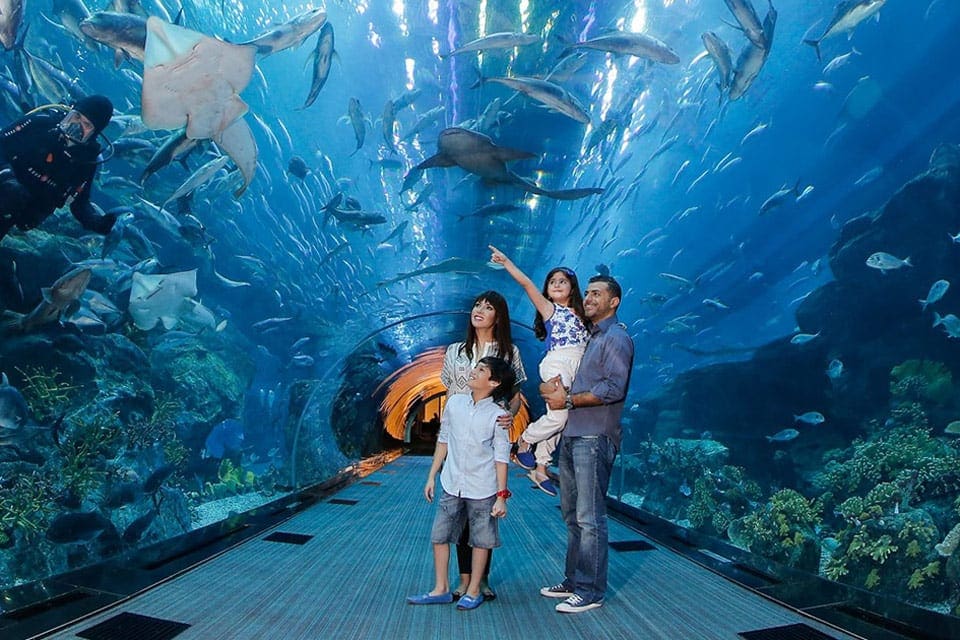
<point x="847" y="15"/>
<point x="640" y="45"/>
<point x="949" y="322"/>
<point x="778" y="198"/>
<point x="748" y="67"/>
<point x="748" y="20"/>
<point x="937" y="290"/>
<point x="198" y="178"/>
<point x="289" y="34"/>
<point x="11" y="15"/>
<point x="885" y="262"/>
<point x="721" y="56"/>
<point x="355" y="113"/>
<point x="554" y="96"/>
<point x="70" y="13"/>
<point x="388" y="120"/>
<point x="322" y="57"/>
<point x="810" y="417"/>
<point x="126" y="33"/>
<point x="503" y="40"/>
<point x="783" y="436"/>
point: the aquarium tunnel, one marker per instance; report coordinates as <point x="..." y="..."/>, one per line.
<point x="226" y="308"/>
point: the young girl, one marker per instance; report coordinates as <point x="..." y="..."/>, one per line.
<point x="561" y="321"/>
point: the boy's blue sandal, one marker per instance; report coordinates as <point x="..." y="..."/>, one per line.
<point x="426" y="598"/>
<point x="527" y="460"/>
<point x="469" y="602"/>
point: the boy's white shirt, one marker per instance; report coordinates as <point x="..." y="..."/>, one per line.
<point x="474" y="444"/>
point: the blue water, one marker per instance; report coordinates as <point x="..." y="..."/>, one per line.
<point x="849" y="139"/>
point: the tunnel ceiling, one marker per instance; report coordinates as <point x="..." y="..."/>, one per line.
<point x="685" y="171"/>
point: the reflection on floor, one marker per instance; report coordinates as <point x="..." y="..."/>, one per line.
<point x="362" y="553"/>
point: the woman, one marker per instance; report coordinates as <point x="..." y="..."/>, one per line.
<point x="488" y="334"/>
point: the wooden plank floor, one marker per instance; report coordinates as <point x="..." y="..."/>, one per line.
<point x="351" y="578"/>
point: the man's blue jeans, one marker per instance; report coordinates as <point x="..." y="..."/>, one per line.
<point x="585" y="465"/>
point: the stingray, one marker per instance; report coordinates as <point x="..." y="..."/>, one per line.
<point x="193" y="80"/>
<point x="478" y="154"/>
<point x="163" y="298"/>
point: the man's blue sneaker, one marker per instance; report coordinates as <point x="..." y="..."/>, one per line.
<point x="556" y="591"/>
<point x="527" y="460"/>
<point x="468" y="602"/>
<point x="426" y="598"/>
<point x="576" y="604"/>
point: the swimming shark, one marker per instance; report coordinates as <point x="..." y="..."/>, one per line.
<point x="478" y="154"/>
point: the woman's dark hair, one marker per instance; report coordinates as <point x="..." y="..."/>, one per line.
<point x="502" y="372"/>
<point x="501" y="327"/>
<point x="576" y="301"/>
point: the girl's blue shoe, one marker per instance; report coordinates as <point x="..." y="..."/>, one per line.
<point x="469" y="602"/>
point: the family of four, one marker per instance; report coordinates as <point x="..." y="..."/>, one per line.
<point x="585" y="374"/>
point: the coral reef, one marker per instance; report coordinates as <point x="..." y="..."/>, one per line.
<point x="916" y="380"/>
<point x="784" y="529"/>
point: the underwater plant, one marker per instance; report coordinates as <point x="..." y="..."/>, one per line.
<point x="47" y="395"/>
<point x="158" y="427"/>
<point x="26" y="504"/>
<point x="93" y="438"/>
<point x="915" y="380"/>
<point x="232" y="480"/>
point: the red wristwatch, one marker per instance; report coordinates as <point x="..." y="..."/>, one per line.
<point x="504" y="494"/>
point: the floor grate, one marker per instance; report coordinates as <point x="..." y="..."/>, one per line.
<point x="349" y="503"/>
<point x="289" y="538"/>
<point x="632" y="545"/>
<point x="787" y="632"/>
<point x="132" y="626"/>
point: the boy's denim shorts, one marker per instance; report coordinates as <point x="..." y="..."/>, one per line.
<point x="453" y="513"/>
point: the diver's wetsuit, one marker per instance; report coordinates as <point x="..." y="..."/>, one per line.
<point x="40" y="173"/>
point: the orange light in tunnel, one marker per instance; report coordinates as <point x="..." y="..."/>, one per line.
<point x="420" y="380"/>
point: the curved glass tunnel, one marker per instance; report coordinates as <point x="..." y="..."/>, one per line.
<point x="774" y="219"/>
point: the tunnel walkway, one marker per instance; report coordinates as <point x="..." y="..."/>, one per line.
<point x="367" y="547"/>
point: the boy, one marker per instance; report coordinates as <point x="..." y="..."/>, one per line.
<point x="474" y="452"/>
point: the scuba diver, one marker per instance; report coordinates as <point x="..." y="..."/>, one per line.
<point x="48" y="160"/>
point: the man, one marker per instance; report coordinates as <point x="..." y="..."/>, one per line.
<point x="589" y="445"/>
<point x="48" y="160"/>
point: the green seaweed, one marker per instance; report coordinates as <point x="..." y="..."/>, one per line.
<point x="26" y="504"/>
<point x="46" y="395"/>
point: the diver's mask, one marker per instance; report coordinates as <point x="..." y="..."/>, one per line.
<point x="76" y="128"/>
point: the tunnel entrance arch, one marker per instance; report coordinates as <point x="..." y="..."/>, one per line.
<point x="412" y="380"/>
